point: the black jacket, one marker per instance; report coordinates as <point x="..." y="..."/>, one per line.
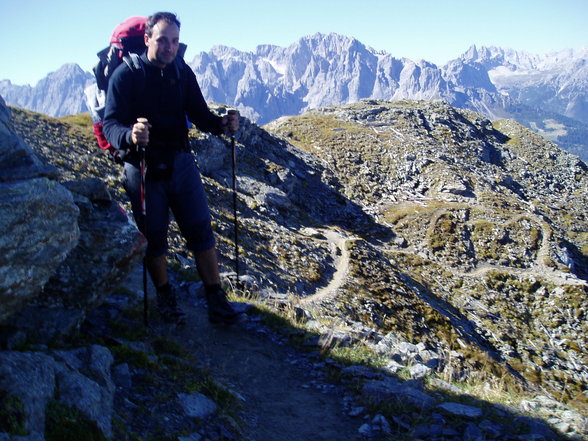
<point x="166" y="97"/>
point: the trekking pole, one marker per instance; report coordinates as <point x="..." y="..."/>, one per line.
<point x="143" y="171"/>
<point x="235" y="219"/>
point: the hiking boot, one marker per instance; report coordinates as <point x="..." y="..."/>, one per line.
<point x="168" y="307"/>
<point x="219" y="308"/>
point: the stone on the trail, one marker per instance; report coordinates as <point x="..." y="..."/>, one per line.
<point x="197" y="405"/>
<point x="191" y="437"/>
<point x="419" y="371"/>
<point x="461" y="410"/>
<point x="391" y="389"/>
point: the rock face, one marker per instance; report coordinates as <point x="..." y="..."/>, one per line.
<point x="38" y="226"/>
<point x="110" y="246"/>
<point x="64" y="248"/>
<point x="75" y="379"/>
<point x="315" y="71"/>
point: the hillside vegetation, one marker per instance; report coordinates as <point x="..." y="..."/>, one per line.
<point x="487" y="243"/>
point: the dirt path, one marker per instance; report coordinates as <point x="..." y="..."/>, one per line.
<point x="538" y="269"/>
<point x="286" y="395"/>
<point x="341" y="263"/>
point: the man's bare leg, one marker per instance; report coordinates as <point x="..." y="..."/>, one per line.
<point x="207" y="264"/>
<point x="157" y="267"/>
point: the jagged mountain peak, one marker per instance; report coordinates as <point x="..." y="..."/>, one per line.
<point x="332" y="41"/>
<point x="68" y="69"/>
<point x="223" y="52"/>
<point x="492" y="56"/>
<point x="318" y="44"/>
<point x="499" y="55"/>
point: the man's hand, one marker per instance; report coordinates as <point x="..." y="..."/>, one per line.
<point x="140" y="132"/>
<point x="230" y="122"/>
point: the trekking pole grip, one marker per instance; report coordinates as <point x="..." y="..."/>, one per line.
<point x="145" y="122"/>
<point x="231" y="112"/>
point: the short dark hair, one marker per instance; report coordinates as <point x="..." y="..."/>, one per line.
<point x="168" y="17"/>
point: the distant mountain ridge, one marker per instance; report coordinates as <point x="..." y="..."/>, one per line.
<point x="315" y="71"/>
<point x="548" y="93"/>
<point x="59" y="93"/>
<point x="556" y="82"/>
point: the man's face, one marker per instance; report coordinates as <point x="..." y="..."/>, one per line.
<point x="163" y="44"/>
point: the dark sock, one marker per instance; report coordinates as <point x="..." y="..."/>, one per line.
<point x="164" y="287"/>
<point x="212" y="289"/>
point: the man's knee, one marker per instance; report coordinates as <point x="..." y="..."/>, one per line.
<point x="200" y="237"/>
<point x="156" y="243"/>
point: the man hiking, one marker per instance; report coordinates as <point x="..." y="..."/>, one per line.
<point x="150" y="107"/>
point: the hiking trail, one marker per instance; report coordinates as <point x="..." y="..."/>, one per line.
<point x="285" y="394"/>
<point x="340" y="255"/>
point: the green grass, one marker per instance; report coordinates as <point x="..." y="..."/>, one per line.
<point x="126" y="354"/>
<point x="12" y="414"/>
<point x="66" y="423"/>
<point x="80" y="120"/>
<point x="162" y="345"/>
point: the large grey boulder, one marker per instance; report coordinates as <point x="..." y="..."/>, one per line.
<point x="110" y="246"/>
<point x="38" y="221"/>
<point x="63" y="247"/>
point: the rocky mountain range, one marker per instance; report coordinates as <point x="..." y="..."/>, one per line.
<point x="452" y="246"/>
<point x="547" y="93"/>
<point x="59" y="93"/>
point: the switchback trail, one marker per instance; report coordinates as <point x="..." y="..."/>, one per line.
<point x="341" y="263"/>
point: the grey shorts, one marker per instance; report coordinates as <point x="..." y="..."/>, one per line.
<point x="183" y="194"/>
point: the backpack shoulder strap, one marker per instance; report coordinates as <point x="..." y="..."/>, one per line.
<point x="137" y="68"/>
<point x="133" y="61"/>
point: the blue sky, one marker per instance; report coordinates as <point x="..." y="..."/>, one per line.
<point x="38" y="36"/>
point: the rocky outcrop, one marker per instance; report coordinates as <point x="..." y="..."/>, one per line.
<point x="39" y="221"/>
<point x="110" y="246"/>
<point x="64" y="247"/>
<point x="478" y="214"/>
